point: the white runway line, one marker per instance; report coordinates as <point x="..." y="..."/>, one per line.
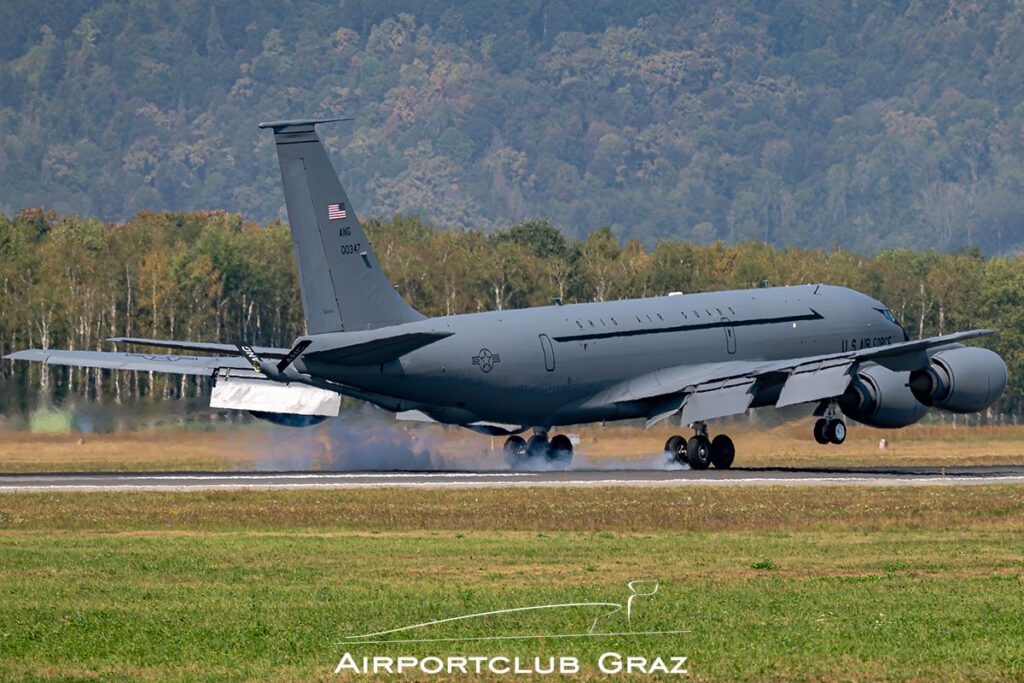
<point x="480" y="480"/>
<point x="305" y="475"/>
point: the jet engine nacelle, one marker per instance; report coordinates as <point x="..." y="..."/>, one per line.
<point x="961" y="380"/>
<point x="289" y="419"/>
<point x="880" y="397"/>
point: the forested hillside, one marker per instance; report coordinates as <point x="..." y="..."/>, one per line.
<point x="805" y="122"/>
<point x="210" y="276"/>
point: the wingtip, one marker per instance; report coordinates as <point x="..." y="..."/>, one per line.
<point x="28" y="354"/>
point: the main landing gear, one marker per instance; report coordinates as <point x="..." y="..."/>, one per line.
<point x="538" y="452"/>
<point x="830" y="428"/>
<point x="700" y="452"/>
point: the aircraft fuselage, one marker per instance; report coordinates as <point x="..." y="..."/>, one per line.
<point x="540" y="365"/>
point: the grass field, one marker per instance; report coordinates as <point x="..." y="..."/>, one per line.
<point x="783" y="584"/>
<point x="375" y="444"/>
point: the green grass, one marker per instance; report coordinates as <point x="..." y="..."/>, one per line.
<point x="135" y="595"/>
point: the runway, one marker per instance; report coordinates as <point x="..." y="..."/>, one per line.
<point x="769" y="476"/>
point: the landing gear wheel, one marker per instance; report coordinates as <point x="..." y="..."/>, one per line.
<point x="560" y="451"/>
<point x="723" y="452"/>
<point x="675" y="448"/>
<point x="515" y="451"/>
<point x="836" y="431"/>
<point x="698" y="452"/>
<point x="819" y="431"/>
<point x="538" y="446"/>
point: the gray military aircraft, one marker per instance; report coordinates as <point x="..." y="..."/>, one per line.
<point x="690" y="358"/>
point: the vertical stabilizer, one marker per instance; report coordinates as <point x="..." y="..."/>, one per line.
<point x="343" y="287"/>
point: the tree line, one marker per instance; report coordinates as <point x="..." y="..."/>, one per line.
<point x="68" y="282"/>
<point x="880" y="125"/>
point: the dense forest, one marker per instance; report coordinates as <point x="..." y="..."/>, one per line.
<point x="815" y="123"/>
<point x="70" y="283"/>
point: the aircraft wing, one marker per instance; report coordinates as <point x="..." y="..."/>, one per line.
<point x="208" y="347"/>
<point x="179" y="365"/>
<point x="711" y="390"/>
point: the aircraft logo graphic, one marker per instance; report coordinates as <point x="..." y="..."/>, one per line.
<point x="486" y="360"/>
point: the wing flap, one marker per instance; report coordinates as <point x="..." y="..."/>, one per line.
<point x="718" y="399"/>
<point x="664" y="409"/>
<point x="668" y="381"/>
<point x="179" y="365"/>
<point x="815" y="381"/>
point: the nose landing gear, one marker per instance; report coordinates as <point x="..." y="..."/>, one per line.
<point x="830" y="428"/>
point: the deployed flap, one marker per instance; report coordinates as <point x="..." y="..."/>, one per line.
<point x="664" y="409"/>
<point x="179" y="365"/>
<point x="414" y="416"/>
<point x="265" y="351"/>
<point x="482" y="427"/>
<point x="263" y="395"/>
<point x="376" y="351"/>
<point x="718" y="399"/>
<point x="815" y="381"/>
<point x="494" y="428"/>
<point x="673" y="380"/>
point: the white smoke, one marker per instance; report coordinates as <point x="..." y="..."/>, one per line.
<point x="658" y="461"/>
<point x="371" y="440"/>
<point x="363" y="441"/>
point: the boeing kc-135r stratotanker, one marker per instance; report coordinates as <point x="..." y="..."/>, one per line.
<point x="690" y="358"/>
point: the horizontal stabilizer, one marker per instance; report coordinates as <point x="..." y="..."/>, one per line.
<point x="147" y="362"/>
<point x="375" y="351"/>
<point x="208" y="347"/>
<point x="298" y="123"/>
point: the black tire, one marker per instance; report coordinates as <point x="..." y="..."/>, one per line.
<point x="675" y="447"/>
<point x="836" y="431"/>
<point x="515" y="451"/>
<point x="723" y="452"/>
<point x="819" y="431"/>
<point x="538" y="446"/>
<point x="698" y="453"/>
<point x="560" y="450"/>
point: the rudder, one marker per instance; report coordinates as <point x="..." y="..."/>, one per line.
<point x="343" y="287"/>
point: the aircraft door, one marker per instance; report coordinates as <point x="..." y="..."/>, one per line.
<point x="730" y="336"/>
<point x="549" y="352"/>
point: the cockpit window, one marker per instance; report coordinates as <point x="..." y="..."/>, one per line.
<point x="891" y="318"/>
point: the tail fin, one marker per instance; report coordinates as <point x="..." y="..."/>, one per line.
<point x="343" y="287"/>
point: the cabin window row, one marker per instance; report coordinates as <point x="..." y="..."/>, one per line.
<point x="580" y="321"/>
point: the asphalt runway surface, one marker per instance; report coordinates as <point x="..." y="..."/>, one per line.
<point x="762" y="476"/>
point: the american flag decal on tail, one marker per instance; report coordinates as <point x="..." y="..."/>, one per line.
<point x="336" y="212"/>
